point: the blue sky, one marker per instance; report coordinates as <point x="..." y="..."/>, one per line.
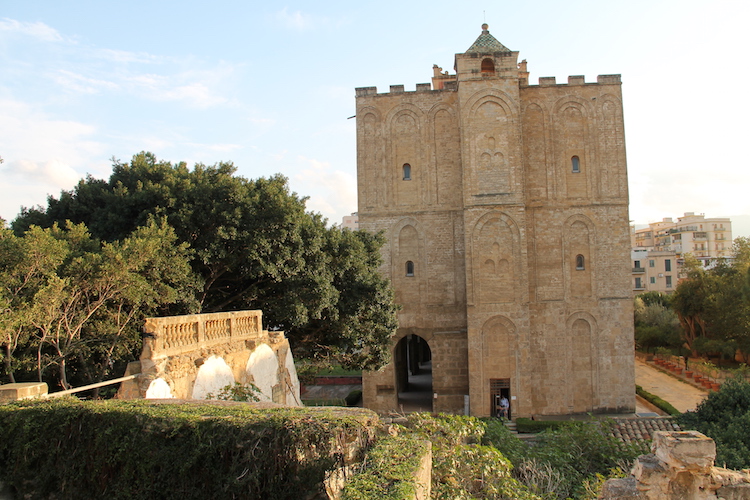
<point x="269" y="86"/>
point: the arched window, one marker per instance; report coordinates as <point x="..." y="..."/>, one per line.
<point x="576" y="163"/>
<point x="488" y="66"/>
<point x="580" y="263"/>
<point x="407" y="172"/>
<point x="409" y="268"/>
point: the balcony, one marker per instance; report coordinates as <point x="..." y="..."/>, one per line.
<point x="639" y="270"/>
<point x="700" y="236"/>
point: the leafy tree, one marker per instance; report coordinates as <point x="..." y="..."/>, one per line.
<point x="714" y="305"/>
<point x="26" y="266"/>
<point x="656" y="324"/>
<point x="724" y="416"/>
<point x="690" y="300"/>
<point x="254" y="246"/>
<point x="74" y="300"/>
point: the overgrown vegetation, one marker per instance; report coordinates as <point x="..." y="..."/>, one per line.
<point x="69" y="449"/>
<point x="389" y="469"/>
<point x="656" y="401"/>
<point x="462" y="467"/>
<point x="724" y="416"/>
<point x="567" y="461"/>
<point x="127" y="449"/>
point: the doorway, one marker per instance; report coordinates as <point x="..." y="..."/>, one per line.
<point x="413" y="363"/>
<point x="499" y="389"/>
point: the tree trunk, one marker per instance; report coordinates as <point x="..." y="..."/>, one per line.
<point x="63" y="375"/>
<point x="8" y="366"/>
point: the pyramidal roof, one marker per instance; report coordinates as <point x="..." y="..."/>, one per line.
<point x="486" y="43"/>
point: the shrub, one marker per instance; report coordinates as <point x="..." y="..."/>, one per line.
<point x="70" y="449"/>
<point x="724" y="416"/>
<point x="461" y="467"/>
<point x="237" y="392"/>
<point x="388" y="470"/>
<point x="528" y="425"/>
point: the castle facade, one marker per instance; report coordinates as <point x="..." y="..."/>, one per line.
<point x="505" y="205"/>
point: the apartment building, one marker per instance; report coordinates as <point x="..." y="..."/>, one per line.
<point x="658" y="250"/>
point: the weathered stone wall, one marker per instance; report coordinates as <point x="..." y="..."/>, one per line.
<point x="680" y="467"/>
<point x="522" y="256"/>
<point x="189" y="357"/>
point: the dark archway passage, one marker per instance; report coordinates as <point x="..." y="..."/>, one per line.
<point x="413" y="361"/>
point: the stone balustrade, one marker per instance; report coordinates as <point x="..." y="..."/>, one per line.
<point x="172" y="335"/>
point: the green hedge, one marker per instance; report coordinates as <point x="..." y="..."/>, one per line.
<point x="526" y="425"/>
<point x="70" y="449"/>
<point x="656" y="401"/>
<point x="390" y="469"/>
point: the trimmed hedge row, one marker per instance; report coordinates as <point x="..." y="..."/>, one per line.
<point x="656" y="401"/>
<point x="141" y="450"/>
<point x="526" y="425"/>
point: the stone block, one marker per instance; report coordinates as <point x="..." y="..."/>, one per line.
<point x="685" y="450"/>
<point x="22" y="390"/>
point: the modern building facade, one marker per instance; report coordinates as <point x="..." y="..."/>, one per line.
<point x="658" y="250"/>
<point x="350" y="222"/>
<point x="505" y="205"/>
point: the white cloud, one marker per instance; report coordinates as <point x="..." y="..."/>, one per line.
<point x="36" y="30"/>
<point x="295" y="20"/>
<point x="82" y="84"/>
<point x="332" y="192"/>
<point x="42" y="154"/>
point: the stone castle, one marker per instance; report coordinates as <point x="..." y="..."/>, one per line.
<point x="505" y="205"/>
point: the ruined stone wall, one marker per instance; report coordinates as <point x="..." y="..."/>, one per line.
<point x="191" y="356"/>
<point x="679" y="467"/>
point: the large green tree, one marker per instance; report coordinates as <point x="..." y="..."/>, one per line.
<point x="254" y="246"/>
<point x="73" y="302"/>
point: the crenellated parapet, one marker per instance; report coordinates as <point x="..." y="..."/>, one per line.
<point x="399" y="89"/>
<point x="551" y="81"/>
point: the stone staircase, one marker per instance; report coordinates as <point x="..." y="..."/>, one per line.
<point x="511" y="425"/>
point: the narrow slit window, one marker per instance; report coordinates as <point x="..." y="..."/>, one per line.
<point x="407" y="172"/>
<point x="576" y="164"/>
<point x="580" y="263"/>
<point x="409" y="268"/>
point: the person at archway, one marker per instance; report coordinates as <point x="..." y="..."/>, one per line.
<point x="502" y="412"/>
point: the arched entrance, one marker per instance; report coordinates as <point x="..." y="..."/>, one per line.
<point x="413" y="363"/>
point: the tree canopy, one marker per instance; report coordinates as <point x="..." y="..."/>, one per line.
<point x="71" y="302"/>
<point x="250" y="244"/>
<point x="713" y="305"/>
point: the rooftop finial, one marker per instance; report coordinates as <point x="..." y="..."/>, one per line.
<point x="485" y="28"/>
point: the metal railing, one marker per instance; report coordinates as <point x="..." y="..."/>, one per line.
<point x="88" y="387"/>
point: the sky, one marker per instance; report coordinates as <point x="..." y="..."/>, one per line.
<point x="270" y="87"/>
